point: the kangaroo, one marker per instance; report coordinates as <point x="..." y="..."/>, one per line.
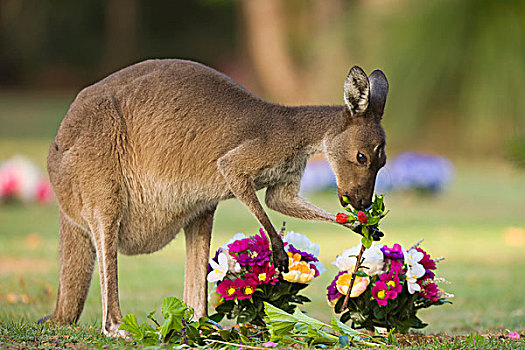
<point x="153" y="148"/>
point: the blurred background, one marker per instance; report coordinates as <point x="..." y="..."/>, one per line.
<point x="457" y="81"/>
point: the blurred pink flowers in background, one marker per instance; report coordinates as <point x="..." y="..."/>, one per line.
<point x="21" y="180"/>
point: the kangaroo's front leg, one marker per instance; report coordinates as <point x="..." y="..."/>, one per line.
<point x="198" y="236"/>
<point x="239" y="167"/>
<point x="284" y="198"/>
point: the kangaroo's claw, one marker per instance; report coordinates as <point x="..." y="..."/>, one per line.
<point x="280" y="260"/>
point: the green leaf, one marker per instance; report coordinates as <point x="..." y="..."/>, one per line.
<point x="367" y="241"/>
<point x="130" y="324"/>
<point x="361" y="273"/>
<point x="174" y="311"/>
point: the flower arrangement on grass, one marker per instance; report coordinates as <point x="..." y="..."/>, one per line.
<point x="244" y="276"/>
<point x="391" y="285"/>
<point x="22" y="181"/>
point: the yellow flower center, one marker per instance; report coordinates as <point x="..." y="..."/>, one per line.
<point x="391" y="284"/>
<point x="254" y="254"/>
<point x="262" y="276"/>
<point x="217" y="271"/>
<point x="231" y="290"/>
<point x="381" y="294"/>
<point x="248" y="290"/>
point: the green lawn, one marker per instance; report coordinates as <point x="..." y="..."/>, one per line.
<point x="478" y="225"/>
<point x="471" y="225"/>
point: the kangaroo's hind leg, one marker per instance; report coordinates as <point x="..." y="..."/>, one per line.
<point x="77" y="258"/>
<point x="198" y="237"/>
<point x="105" y="228"/>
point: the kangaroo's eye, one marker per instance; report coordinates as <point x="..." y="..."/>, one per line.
<point x="361" y="158"/>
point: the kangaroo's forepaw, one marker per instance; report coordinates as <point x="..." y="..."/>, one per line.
<point x="280" y="260"/>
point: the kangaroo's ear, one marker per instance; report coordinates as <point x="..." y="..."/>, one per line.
<point x="378" y="92"/>
<point x="357" y="91"/>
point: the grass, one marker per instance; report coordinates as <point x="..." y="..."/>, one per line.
<point x="478" y="225"/>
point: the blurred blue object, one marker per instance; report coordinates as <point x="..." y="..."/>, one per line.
<point x="408" y="171"/>
<point x="415" y="171"/>
<point x="318" y="176"/>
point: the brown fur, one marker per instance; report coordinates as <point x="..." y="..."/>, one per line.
<point x="155" y="147"/>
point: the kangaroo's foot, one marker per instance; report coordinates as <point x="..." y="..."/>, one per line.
<point x="280" y="259"/>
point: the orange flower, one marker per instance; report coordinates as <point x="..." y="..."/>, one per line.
<point x="360" y="284"/>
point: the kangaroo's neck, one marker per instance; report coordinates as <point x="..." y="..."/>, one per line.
<point x="312" y="124"/>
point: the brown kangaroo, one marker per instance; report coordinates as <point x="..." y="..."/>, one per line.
<point x="154" y="148"/>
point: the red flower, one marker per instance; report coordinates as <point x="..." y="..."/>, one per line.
<point x="341" y="218"/>
<point x="429" y="291"/>
<point x="361" y="216"/>
<point x="262" y="274"/>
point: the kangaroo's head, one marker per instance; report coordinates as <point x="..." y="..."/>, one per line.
<point x="357" y="152"/>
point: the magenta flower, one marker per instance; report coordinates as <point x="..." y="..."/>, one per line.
<point x="262" y="274"/>
<point x="397" y="266"/>
<point x="429" y="291"/>
<point x="251" y="251"/>
<point x="379" y="292"/>
<point x="239" y="246"/>
<point x="228" y="288"/>
<point x="391" y="279"/>
<point x="427" y="263"/>
<point x="247" y="288"/>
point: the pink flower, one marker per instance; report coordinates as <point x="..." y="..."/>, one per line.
<point x="513" y="335"/>
<point x="269" y="344"/>
<point x="379" y="292"/>
<point x="361" y="216"/>
<point x="8" y="184"/>
<point x="341" y="218"/>
<point x="396" y="266"/>
<point x="427" y="263"/>
<point x="44" y="193"/>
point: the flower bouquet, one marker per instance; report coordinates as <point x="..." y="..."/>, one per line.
<point x="391" y="285"/>
<point x="245" y="278"/>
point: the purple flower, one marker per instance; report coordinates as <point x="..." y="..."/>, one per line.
<point x="332" y="292"/>
<point x="250" y="251"/>
<point x="394" y="253"/>
<point x="215" y="258"/>
<point x="304" y="256"/>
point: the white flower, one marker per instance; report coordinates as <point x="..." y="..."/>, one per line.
<point x="414" y="272"/>
<point x="219" y="270"/>
<point x="302" y="243"/>
<point x="412" y="256"/>
<point x="373" y="259"/>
